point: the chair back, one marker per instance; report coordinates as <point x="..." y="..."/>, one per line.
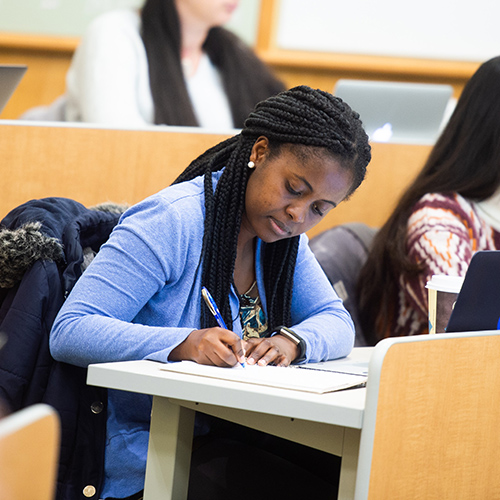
<point x="341" y="252"/>
<point x="430" y="429"/>
<point x="29" y="450"/>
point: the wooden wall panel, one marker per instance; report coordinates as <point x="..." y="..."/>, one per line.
<point x="93" y="165"/>
<point x="48" y="60"/>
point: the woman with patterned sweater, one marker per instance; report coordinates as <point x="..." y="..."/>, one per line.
<point x="450" y="211"/>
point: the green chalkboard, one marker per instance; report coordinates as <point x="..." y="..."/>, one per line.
<point x="70" y="17"/>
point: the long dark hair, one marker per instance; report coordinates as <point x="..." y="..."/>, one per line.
<point x="246" y="79"/>
<point x="300" y="116"/>
<point x="464" y="160"/>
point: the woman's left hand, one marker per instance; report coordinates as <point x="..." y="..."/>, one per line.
<point x="276" y="350"/>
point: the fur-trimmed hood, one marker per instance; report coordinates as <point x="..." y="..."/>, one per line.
<point x="56" y="229"/>
<point x="20" y="248"/>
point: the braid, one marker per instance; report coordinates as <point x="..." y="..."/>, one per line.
<point x="279" y="266"/>
<point x="300" y="116"/>
<point x="223" y="212"/>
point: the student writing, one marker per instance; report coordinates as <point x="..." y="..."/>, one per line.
<point x="233" y="222"/>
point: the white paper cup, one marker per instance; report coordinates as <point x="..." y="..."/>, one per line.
<point x="443" y="292"/>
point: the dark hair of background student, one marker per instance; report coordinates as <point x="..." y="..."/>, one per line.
<point x="310" y="121"/>
<point x="246" y="79"/>
<point x="464" y="160"/>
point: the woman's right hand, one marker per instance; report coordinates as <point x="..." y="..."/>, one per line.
<point x="210" y="346"/>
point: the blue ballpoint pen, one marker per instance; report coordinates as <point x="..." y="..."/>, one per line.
<point x="214" y="310"/>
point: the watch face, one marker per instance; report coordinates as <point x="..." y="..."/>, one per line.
<point x="296" y="339"/>
<point x="289" y="334"/>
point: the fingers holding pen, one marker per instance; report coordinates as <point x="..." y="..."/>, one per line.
<point x="227" y="349"/>
<point x="211" y="346"/>
<point x="233" y="341"/>
<point x="238" y="348"/>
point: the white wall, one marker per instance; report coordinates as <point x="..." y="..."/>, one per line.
<point x="462" y="30"/>
<point x="465" y="30"/>
<point x="70" y="17"/>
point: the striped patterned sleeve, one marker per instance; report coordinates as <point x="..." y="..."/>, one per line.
<point x="443" y="233"/>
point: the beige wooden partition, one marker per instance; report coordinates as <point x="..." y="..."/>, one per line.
<point x="430" y="429"/>
<point x="93" y="165"/>
<point x="48" y="59"/>
<point x="29" y="451"/>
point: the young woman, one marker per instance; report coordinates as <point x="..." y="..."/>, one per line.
<point x="451" y="210"/>
<point x="172" y="63"/>
<point x="232" y="222"/>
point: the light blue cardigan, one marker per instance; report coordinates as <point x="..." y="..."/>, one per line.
<point x="141" y="297"/>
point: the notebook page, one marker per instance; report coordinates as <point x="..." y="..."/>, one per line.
<point x="316" y="381"/>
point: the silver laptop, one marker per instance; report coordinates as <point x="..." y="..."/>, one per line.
<point x="10" y="76"/>
<point x="410" y="113"/>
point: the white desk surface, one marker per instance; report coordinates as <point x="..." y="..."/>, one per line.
<point x="330" y="422"/>
<point x="343" y="408"/>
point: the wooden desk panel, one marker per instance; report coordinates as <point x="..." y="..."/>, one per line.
<point x="94" y="165"/>
<point x="48" y="60"/>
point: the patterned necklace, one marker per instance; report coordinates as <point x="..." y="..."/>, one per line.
<point x="253" y="319"/>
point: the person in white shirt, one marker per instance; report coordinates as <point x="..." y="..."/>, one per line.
<point x="171" y="63"/>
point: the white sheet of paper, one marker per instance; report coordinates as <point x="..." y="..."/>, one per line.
<point x="317" y="381"/>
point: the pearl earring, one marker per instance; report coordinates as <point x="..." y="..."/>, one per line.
<point x="251" y="164"/>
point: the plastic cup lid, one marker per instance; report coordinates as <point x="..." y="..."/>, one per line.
<point x="445" y="283"/>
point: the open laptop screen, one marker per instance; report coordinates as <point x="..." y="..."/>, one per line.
<point x="10" y="76"/>
<point x="400" y="112"/>
<point x="478" y="303"/>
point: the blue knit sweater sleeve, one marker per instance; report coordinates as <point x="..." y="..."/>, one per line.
<point x="145" y="277"/>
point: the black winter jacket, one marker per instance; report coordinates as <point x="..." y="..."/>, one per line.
<point x="42" y="248"/>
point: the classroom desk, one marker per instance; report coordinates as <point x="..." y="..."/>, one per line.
<point x="330" y="422"/>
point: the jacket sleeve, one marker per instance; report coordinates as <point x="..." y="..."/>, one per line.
<point x="26" y="314"/>
<point x="318" y="314"/>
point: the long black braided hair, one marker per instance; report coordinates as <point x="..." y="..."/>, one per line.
<point x="300" y="116"/>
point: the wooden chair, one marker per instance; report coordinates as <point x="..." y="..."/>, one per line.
<point x="432" y="417"/>
<point x="29" y="449"/>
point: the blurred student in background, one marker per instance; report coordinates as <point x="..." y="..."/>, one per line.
<point x="451" y="210"/>
<point x="171" y="63"/>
